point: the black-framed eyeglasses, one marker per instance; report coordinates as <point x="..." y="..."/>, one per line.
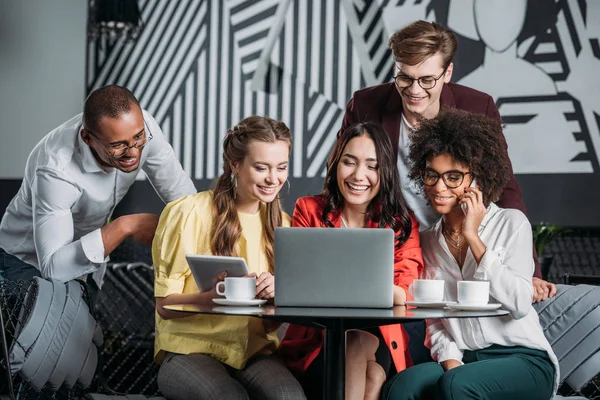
<point x="452" y="179"/>
<point x="426" y="82"/>
<point x="120" y="150"/>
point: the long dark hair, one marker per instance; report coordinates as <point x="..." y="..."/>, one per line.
<point x="388" y="207"/>
<point x="226" y="228"/>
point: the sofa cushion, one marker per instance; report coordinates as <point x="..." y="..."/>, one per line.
<point x="571" y="321"/>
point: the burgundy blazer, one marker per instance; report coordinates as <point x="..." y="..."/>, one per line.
<point x="383" y="104"/>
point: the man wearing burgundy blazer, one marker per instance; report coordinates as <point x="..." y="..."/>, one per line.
<point x="423" y="54"/>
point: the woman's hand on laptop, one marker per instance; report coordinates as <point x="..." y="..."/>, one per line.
<point x="265" y="286"/>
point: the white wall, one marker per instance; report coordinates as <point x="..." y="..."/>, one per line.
<point x="42" y="67"/>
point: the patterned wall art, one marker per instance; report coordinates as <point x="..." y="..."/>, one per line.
<point x="199" y="66"/>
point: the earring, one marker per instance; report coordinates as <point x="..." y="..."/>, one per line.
<point x="288" y="190"/>
<point x="234" y="184"/>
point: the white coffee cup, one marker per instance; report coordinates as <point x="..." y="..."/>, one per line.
<point x="427" y="290"/>
<point x="473" y="292"/>
<point x="243" y="288"/>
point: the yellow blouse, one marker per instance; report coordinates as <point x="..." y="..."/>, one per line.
<point x="184" y="228"/>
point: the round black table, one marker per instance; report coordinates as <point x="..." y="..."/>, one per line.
<point x="335" y="322"/>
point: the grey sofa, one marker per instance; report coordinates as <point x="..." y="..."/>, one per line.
<point x="571" y="323"/>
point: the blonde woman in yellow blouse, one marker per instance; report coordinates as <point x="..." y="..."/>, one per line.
<point x="224" y="357"/>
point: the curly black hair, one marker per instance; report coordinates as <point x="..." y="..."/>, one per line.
<point x="473" y="140"/>
<point x="388" y="207"/>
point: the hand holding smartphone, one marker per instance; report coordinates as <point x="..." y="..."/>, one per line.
<point x="463" y="206"/>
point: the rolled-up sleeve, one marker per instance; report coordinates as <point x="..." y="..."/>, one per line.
<point x="162" y="167"/>
<point x="440" y="342"/>
<point x="59" y="256"/>
<point x="176" y="236"/>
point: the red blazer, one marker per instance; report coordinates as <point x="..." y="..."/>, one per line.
<point x="383" y="104"/>
<point x="302" y="344"/>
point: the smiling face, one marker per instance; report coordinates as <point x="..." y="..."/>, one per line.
<point x="358" y="172"/>
<point x="112" y="135"/>
<point x="416" y="101"/>
<point x="262" y="173"/>
<point x="444" y="200"/>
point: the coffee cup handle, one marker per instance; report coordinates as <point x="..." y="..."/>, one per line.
<point x="411" y="289"/>
<point x="217" y="286"/>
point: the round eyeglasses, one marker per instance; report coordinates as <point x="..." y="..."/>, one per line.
<point x="120" y="150"/>
<point x="426" y="82"/>
<point x="452" y="179"/>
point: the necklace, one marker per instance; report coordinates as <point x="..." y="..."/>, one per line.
<point x="456" y="241"/>
<point x="454" y="237"/>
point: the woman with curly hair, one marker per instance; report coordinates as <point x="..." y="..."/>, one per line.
<point x="216" y="356"/>
<point x="362" y="190"/>
<point x="476" y="358"/>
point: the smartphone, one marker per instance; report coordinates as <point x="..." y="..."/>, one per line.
<point x="463" y="205"/>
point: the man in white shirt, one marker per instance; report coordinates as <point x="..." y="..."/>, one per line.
<point x="59" y="223"/>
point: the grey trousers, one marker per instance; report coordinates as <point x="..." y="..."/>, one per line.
<point x="198" y="376"/>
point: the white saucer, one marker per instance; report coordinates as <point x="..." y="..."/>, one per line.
<point x="474" y="307"/>
<point x="231" y="302"/>
<point x="429" y="304"/>
<point x="233" y="310"/>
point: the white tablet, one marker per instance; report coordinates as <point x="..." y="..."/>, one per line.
<point x="204" y="268"/>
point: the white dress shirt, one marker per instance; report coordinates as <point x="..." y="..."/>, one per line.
<point x="508" y="265"/>
<point x="415" y="201"/>
<point x="66" y="197"/>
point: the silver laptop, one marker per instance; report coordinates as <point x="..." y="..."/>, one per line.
<point x="328" y="267"/>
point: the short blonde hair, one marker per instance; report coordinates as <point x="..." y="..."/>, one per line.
<point x="420" y="40"/>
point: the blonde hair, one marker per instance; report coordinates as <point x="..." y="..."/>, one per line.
<point x="420" y="40"/>
<point x="226" y="228"/>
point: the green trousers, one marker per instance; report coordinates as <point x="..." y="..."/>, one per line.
<point x="496" y="372"/>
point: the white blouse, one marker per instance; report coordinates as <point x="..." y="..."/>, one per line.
<point x="508" y="265"/>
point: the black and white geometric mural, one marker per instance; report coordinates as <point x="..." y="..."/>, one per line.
<point x="201" y="66"/>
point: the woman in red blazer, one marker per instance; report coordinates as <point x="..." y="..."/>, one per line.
<point x="362" y="190"/>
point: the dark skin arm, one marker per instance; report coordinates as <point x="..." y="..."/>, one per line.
<point x="140" y="227"/>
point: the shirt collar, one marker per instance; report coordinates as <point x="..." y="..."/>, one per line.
<point x="411" y="128"/>
<point x="89" y="162"/>
<point x="491" y="211"/>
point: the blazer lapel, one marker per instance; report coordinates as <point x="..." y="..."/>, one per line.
<point x="446" y="98"/>
<point x="336" y="219"/>
<point x="372" y="224"/>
